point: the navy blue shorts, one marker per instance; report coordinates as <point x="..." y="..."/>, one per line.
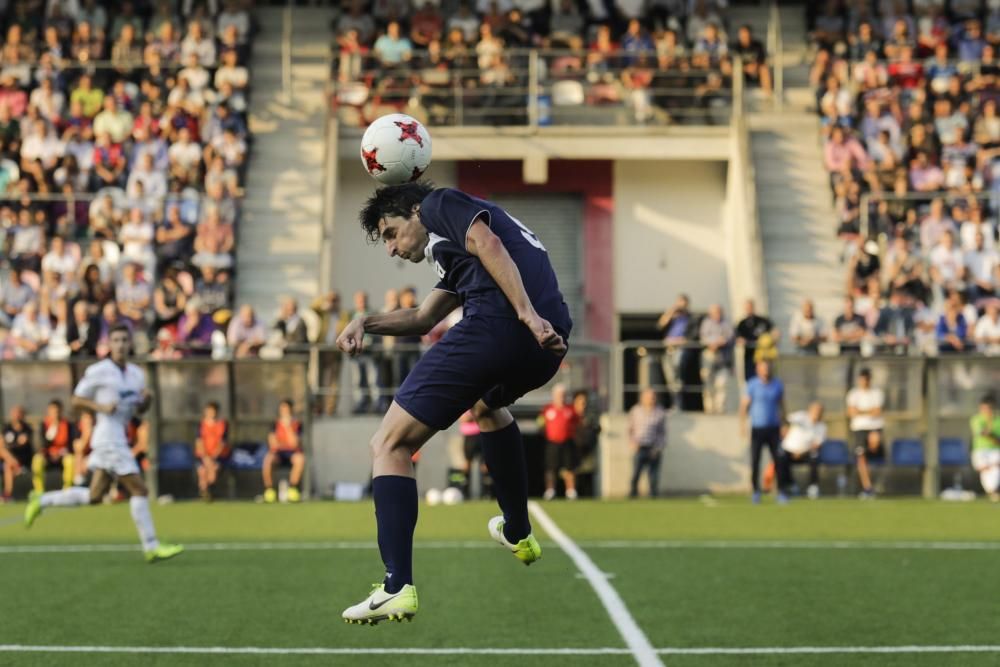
<point x="494" y="359"/>
<point x="285" y="456"/>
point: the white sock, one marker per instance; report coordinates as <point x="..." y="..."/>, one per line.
<point x="990" y="478"/>
<point x="71" y="497"/>
<point x="143" y="522"/>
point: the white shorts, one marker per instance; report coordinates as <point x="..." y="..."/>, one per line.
<point x="984" y="458"/>
<point x="116" y="459"/>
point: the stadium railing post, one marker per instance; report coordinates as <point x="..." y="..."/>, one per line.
<point x="932" y="409"/>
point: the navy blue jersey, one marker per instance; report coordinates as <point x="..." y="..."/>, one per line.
<point x="448" y="214"/>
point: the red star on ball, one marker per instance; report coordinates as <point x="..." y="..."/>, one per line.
<point x="371" y="162"/>
<point x="408" y="130"/>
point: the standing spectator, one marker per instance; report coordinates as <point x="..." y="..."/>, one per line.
<point x="677" y="327"/>
<point x="800" y="443"/>
<point x="716" y="336"/>
<point x="758" y="336"/>
<point x="407" y="352"/>
<point x="56" y="452"/>
<point x="647" y="437"/>
<point x="365" y="374"/>
<point x="559" y="419"/>
<point x="987" y="332"/>
<point x="211" y="448"/>
<point x="332" y="321"/>
<point x="284" y="444"/>
<point x="763" y="403"/>
<point x="985" y="427"/>
<point x="246" y="333"/>
<point x="849" y="328"/>
<point x="17" y="443"/>
<point x="807" y="329"/>
<point x="864" y="407"/>
<point x="588" y="427"/>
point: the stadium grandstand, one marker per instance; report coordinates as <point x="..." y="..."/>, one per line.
<point x="775" y="226"/>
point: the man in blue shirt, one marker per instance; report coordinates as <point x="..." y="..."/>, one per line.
<point x="512" y="339"/>
<point x="763" y="402"/>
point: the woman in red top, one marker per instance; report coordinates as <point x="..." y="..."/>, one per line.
<point x="284" y="444"/>
<point x="559" y="421"/>
<point x="211" y="447"/>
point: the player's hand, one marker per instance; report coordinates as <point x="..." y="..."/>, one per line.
<point x="352" y="337"/>
<point x="543" y="332"/>
<point x="107" y="408"/>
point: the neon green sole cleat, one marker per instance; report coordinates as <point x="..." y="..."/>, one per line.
<point x="33" y="509"/>
<point x="381" y="606"/>
<point x="527" y="550"/>
<point x="294" y="495"/>
<point x="163" y="552"/>
<point x="270" y="496"/>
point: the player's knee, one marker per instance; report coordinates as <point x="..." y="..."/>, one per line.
<point x="386" y="444"/>
<point x="298" y="458"/>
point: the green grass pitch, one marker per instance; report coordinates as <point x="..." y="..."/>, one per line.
<point x="693" y="574"/>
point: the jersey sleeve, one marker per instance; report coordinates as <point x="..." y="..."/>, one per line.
<point x="91" y="380"/>
<point x="449" y="213"/>
<point x="443" y="286"/>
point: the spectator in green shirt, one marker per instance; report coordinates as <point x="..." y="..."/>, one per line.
<point x="985" y="426"/>
<point x="90" y="98"/>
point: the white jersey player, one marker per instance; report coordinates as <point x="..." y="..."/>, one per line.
<point x="114" y="390"/>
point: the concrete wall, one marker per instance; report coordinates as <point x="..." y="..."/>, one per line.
<point x="668" y="219"/>
<point x="358" y="265"/>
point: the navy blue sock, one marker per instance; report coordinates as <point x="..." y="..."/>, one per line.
<point x="396" y="514"/>
<point x="503" y="452"/>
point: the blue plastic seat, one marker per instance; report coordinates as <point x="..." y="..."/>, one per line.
<point x="248" y="456"/>
<point x="175" y="456"/>
<point x="907" y="452"/>
<point x="834" y="453"/>
<point x="952" y="452"/>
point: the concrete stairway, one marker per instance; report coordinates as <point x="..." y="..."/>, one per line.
<point x="801" y="250"/>
<point x="281" y="229"/>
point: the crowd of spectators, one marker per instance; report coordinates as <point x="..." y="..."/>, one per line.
<point x="663" y="60"/>
<point x="123" y="144"/>
<point x="907" y="94"/>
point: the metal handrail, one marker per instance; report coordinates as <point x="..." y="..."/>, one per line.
<point x="778" y="56"/>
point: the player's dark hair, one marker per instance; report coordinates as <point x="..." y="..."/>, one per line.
<point x="392" y="200"/>
<point x="988" y="399"/>
<point x="289" y="403"/>
<point x="214" y="405"/>
<point x="119" y="327"/>
<point x="55" y="402"/>
<point x="865" y="373"/>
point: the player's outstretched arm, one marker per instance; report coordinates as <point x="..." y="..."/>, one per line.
<point x="403" y="322"/>
<point x="81" y="403"/>
<point x="487" y="246"/>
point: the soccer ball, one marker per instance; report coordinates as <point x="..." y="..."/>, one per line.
<point x="433" y="497"/>
<point x="452" y="496"/>
<point x="396" y="149"/>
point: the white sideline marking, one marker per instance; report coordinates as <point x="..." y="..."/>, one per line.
<point x="262" y="650"/>
<point x="477" y="544"/>
<point x="643" y="651"/>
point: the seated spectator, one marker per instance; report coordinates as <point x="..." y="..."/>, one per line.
<point x="15" y="294"/>
<point x="83" y="331"/>
<point x="864" y="408"/>
<point x="17" y="448"/>
<point x="716" y="337"/>
<point x="246" y="333"/>
<point x="800" y="442"/>
<point x="110" y="318"/>
<point x="426" y="24"/>
<point x="164" y="47"/>
<point x="174" y="240"/>
<point x="41" y="152"/>
<point x="565" y="25"/>
<point x="30" y="332"/>
<point x="94" y="291"/>
<point x="947" y="267"/>
<point x="56" y="452"/>
<point x="133" y="296"/>
<point x="356" y="18"/>
<point x="126" y="52"/>
<point x="136" y="238"/>
<point x="925" y="176"/>
<point x="184" y="158"/>
<point x="849" y="328"/>
<point x="211" y="448"/>
<point x="985" y="427"/>
<point x="197" y="44"/>
<point x="934" y="226"/>
<point x="952" y="331"/>
<point x="465" y="21"/>
<point x="289" y="324"/>
<point x="28" y="244"/>
<point x="843" y="154"/>
<point x="109" y="163"/>
<point x="982" y="269"/>
<point x="229" y="147"/>
<point x="113" y="120"/>
<point x="234" y="17"/>
<point x="894" y="327"/>
<point x="284" y="444"/>
<point x="391" y="49"/>
<point x="864" y="265"/>
<point x="214" y="290"/>
<point x="214" y="243"/>
<point x="807" y="330"/>
<point x="146" y="183"/>
<point x="169" y="300"/>
<point x="987" y="331"/>
<point x="195" y="329"/>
